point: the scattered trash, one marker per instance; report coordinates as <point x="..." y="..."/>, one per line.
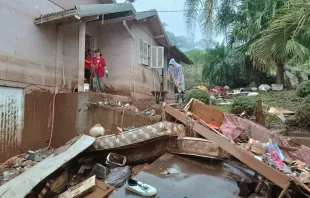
<point x="118" y="176"/>
<point x="81" y="189"/>
<point x="128" y="129"/>
<point x="253" y="94"/>
<point x="256" y="147"/>
<point x="277" y="87"/>
<point x="102" y="190"/>
<point x="140" y="188"/>
<point x="272" y="146"/>
<point x="100" y="171"/>
<point x="59" y="184"/>
<point x="264" y="87"/>
<point x="116" y="159"/>
<point x="170" y="172"/>
<point x="97" y="131"/>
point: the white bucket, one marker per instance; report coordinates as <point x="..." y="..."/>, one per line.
<point x="86" y="87"/>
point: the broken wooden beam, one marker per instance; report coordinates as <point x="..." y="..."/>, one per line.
<point x="81" y="189"/>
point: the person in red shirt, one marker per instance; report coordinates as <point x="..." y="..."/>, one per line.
<point x="100" y="68"/>
<point x="87" y="67"/>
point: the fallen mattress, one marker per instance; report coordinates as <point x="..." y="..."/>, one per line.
<point x="139" y="135"/>
<point x="197" y="147"/>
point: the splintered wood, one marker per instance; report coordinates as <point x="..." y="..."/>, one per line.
<point x="81" y="189"/>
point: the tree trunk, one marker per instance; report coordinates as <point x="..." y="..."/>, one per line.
<point x="280" y="73"/>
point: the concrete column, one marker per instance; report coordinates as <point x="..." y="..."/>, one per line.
<point x="82" y="33"/>
<point x="59" y="78"/>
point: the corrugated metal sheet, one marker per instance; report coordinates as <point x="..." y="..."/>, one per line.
<point x="11" y="120"/>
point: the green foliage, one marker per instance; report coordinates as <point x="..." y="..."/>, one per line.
<point x="196" y="55"/>
<point x="244" y="104"/>
<point x="218" y="68"/>
<point x="303" y="89"/>
<point x="198" y="94"/>
<point x="192" y="75"/>
<point x="303" y="113"/>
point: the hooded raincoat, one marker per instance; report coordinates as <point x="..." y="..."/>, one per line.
<point x="176" y="72"/>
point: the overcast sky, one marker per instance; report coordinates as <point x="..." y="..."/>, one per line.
<point x="174" y="20"/>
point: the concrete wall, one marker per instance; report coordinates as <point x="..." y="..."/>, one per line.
<point x="73" y="118"/>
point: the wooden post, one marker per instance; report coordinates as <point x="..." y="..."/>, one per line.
<point x="260" y="118"/>
<point x="82" y="33"/>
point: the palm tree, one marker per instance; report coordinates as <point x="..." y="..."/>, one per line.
<point x="218" y="68"/>
<point x="286" y="39"/>
<point x="244" y="19"/>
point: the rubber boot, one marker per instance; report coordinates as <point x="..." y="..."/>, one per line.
<point x="177" y="98"/>
<point x="183" y="98"/>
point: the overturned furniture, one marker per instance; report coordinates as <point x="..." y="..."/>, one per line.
<point x="233" y="127"/>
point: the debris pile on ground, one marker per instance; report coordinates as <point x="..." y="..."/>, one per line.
<point x="152" y="112"/>
<point x="260" y="143"/>
<point x="20" y="164"/>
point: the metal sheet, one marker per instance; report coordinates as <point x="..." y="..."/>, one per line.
<point x="11" y="122"/>
<point x="29" y="179"/>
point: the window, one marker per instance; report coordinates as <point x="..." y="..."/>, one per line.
<point x="152" y="56"/>
<point x="144" y="53"/>
<point x="157" y="57"/>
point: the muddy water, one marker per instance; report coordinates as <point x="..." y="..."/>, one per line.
<point x="196" y="178"/>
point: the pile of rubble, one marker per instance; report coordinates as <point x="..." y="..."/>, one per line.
<point x="94" y="167"/>
<point x="20" y="164"/>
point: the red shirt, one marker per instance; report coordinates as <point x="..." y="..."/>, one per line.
<point x="88" y="58"/>
<point x="99" y="66"/>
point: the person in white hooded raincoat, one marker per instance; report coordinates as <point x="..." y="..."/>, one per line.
<point x="175" y="71"/>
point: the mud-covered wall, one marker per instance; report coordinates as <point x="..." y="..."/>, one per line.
<point x="37" y="120"/>
<point x="72" y="117"/>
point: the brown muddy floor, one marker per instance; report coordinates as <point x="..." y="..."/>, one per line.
<point x="197" y="178"/>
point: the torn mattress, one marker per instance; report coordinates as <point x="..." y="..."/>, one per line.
<point x="197" y="147"/>
<point x="139" y="135"/>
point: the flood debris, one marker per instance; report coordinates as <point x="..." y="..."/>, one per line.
<point x="81" y="189"/>
<point x="114" y="159"/>
<point x="97" y="131"/>
<point x="255" y="154"/>
<point x="118" y="176"/>
<point x="142" y="134"/>
<point x="32" y="176"/>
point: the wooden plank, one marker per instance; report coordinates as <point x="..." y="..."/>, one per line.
<point x="82" y="33"/>
<point x="270" y="173"/>
<point x="81" y="189"/>
<point x="29" y="179"/>
<point x="102" y="190"/>
<point x="207" y="113"/>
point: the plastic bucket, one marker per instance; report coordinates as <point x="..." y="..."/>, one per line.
<point x="86" y="87"/>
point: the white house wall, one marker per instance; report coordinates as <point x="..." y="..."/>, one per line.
<point x="146" y="80"/>
<point x="115" y="44"/>
<point x="27" y="52"/>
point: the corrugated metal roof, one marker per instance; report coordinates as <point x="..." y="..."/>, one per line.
<point x="101" y="9"/>
<point x="55" y="13"/>
<point x="146" y="14"/>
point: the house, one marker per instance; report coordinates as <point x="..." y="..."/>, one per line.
<point x="42" y="47"/>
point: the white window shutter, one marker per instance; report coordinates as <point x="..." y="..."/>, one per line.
<point x="141" y="52"/>
<point x="157" y="57"/>
<point x="145" y="54"/>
